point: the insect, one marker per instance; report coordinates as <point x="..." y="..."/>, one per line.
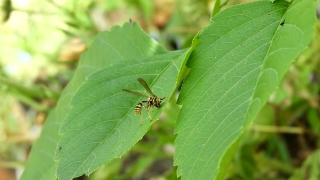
<point x="282" y="23"/>
<point x="152" y="101"/>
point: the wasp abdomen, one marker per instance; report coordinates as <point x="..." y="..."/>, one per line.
<point x="138" y="108"/>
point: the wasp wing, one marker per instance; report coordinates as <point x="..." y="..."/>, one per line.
<point x="145" y="85"/>
<point x="135" y="93"/>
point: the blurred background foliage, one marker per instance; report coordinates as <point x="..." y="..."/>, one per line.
<point x="42" y="41"/>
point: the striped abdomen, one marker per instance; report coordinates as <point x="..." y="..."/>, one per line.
<point x="138" y="108"/>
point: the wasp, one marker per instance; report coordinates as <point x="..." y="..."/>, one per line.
<point x="152" y="101"/>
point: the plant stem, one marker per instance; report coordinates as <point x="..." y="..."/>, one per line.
<point x="277" y="129"/>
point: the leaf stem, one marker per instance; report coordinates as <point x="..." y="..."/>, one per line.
<point x="277" y="129"/>
<point x="33" y="92"/>
<point x="12" y="164"/>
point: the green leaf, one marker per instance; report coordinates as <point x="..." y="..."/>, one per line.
<point x="310" y="168"/>
<point x="121" y="43"/>
<point x="314" y="120"/>
<point x="216" y="8"/>
<point x="5" y="10"/>
<point x="101" y="125"/>
<point x="242" y="56"/>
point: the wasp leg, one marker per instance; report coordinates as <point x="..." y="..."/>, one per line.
<point x="141" y="120"/>
<point x="149" y="116"/>
<point x="148" y="109"/>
